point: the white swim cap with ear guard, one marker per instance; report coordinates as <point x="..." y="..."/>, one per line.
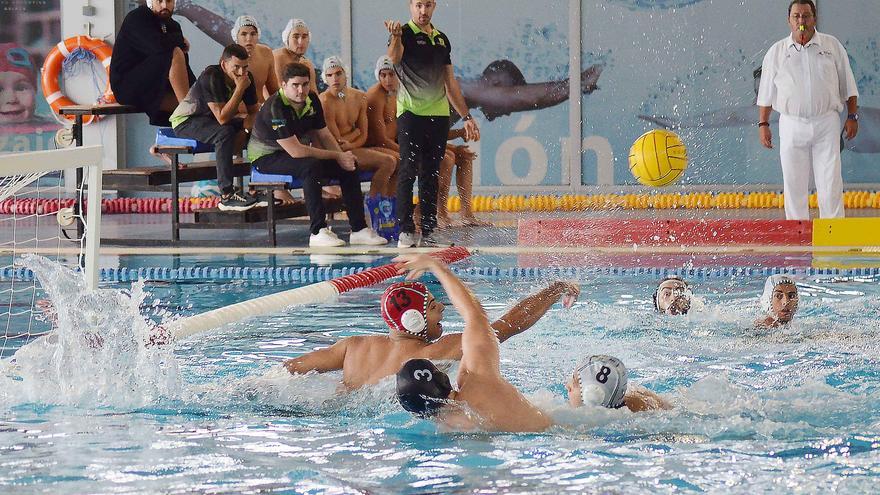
<point x="330" y="63"/>
<point x="603" y="381"/>
<point x="291" y="25"/>
<point x="242" y="21"/>
<point x="384" y="63"/>
<point x="770" y="285"/>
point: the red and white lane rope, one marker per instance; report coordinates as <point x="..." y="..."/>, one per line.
<point x="320" y="292"/>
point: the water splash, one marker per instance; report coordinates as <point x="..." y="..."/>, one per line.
<point x="99" y="353"/>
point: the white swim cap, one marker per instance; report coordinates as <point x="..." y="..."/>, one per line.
<point x="291" y="25"/>
<point x="770" y="285"/>
<point x="384" y="63"/>
<point x="242" y="21"/>
<point x="330" y="63"/>
<point x="603" y="381"/>
<point x="686" y="291"/>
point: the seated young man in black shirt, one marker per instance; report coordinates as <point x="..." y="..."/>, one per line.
<point x="290" y="137"/>
<point x="209" y="113"/>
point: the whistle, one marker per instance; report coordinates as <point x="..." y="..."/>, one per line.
<point x="802" y="28"/>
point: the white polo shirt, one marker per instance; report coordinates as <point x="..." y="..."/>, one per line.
<point x="806" y="81"/>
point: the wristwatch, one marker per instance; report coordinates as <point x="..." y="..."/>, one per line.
<point x="853" y="116"/>
<point x="763" y="124"/>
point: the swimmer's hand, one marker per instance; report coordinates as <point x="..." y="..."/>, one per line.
<point x="569" y="291"/>
<point x="471" y="131"/>
<point x="394" y="28"/>
<point x="416" y="265"/>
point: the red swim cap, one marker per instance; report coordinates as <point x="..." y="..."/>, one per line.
<point x="14" y="58"/>
<point x="405" y="307"/>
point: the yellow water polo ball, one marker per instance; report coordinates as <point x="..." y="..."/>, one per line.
<point x="658" y="158"/>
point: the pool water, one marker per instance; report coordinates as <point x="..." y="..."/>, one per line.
<point x="787" y="410"/>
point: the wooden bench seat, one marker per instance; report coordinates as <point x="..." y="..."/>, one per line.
<point x="159" y="178"/>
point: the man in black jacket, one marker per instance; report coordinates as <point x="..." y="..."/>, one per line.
<point x="150" y="66"/>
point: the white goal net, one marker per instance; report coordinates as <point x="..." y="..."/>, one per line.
<point x="39" y="213"/>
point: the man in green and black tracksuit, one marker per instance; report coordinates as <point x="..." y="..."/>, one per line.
<point x="422" y="60"/>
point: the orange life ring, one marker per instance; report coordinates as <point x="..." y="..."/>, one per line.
<point x="52" y="70"/>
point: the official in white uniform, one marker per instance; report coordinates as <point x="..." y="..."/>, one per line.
<point x="808" y="80"/>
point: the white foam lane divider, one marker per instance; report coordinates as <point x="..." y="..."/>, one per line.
<point x="320" y="292"/>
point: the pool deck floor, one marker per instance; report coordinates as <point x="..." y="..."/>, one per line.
<point x="292" y="238"/>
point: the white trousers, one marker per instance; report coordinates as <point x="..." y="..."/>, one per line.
<point x="805" y="144"/>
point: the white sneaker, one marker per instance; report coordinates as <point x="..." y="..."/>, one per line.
<point x="325" y="238"/>
<point x="367" y="237"/>
<point x="407" y="240"/>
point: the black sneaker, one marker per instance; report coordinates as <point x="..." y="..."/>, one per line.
<point x="261" y="199"/>
<point x="236" y="202"/>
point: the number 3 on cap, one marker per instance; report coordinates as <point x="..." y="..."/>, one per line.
<point x="417" y="374"/>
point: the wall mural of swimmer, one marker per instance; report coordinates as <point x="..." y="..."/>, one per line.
<point x="29" y="29"/>
<point x="699" y="80"/>
<point x="867" y="141"/>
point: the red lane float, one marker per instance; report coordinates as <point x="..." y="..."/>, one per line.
<point x="44" y="206"/>
<point x="651" y="232"/>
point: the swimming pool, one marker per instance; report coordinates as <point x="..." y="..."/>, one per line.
<point x="796" y="409"/>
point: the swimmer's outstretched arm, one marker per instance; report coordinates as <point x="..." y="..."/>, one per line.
<point x="524" y="97"/>
<point x="641" y="399"/>
<point x="323" y="360"/>
<point x="216" y="27"/>
<point x="479" y="345"/>
<point x="740" y="116"/>
<point x="528" y="311"/>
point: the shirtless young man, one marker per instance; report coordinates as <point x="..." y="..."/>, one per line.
<point x="483" y="399"/>
<point x="345" y="110"/>
<point x="296" y="39"/>
<point x="246" y="32"/>
<point x="382" y="120"/>
<point x="413" y="316"/>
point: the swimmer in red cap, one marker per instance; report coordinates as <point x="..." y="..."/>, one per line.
<point x="413" y="316"/>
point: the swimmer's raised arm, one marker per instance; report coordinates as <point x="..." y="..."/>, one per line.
<point x="528" y="311"/>
<point x="323" y="360"/>
<point x="479" y="345"/>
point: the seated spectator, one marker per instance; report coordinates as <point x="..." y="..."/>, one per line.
<point x="150" y="66"/>
<point x="209" y="113"/>
<point x="345" y="111"/>
<point x="261" y="62"/>
<point x="290" y="137"/>
<point x="295" y="38"/>
<point x="462" y="158"/>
